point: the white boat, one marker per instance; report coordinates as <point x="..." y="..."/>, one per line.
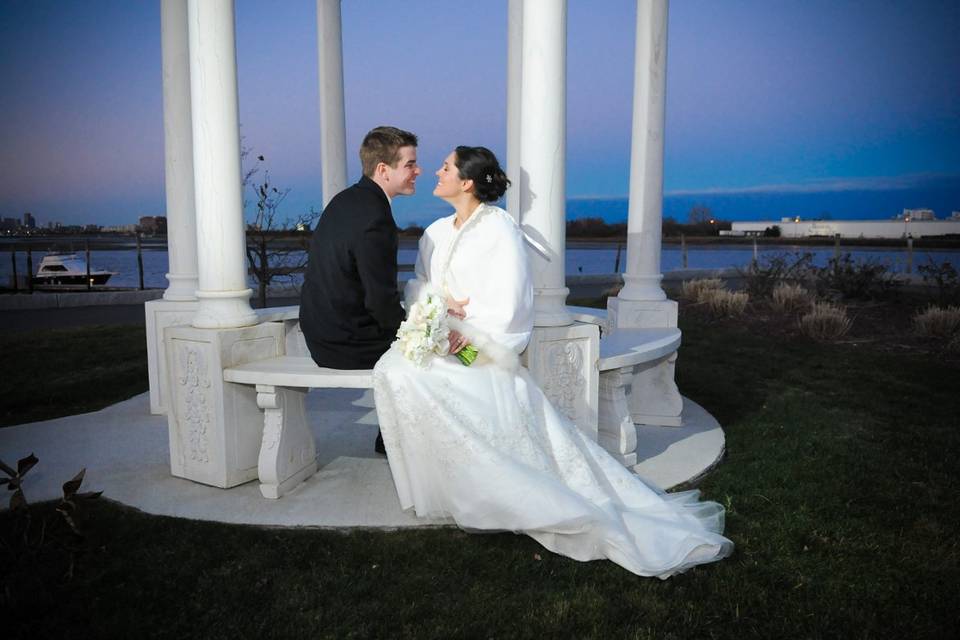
<point x="68" y="269"/>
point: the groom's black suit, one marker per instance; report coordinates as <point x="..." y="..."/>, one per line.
<point x="350" y="306"/>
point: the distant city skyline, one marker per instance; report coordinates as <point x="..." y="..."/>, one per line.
<point x="815" y="106"/>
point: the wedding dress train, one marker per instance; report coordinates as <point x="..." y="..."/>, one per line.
<point x="486" y="448"/>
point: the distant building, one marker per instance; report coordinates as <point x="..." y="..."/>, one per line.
<point x="955" y="215"/>
<point x="29" y="222"/>
<point x="917" y="214"/>
<point x="9" y="224"/>
<point x="120" y="228"/>
<point x="901" y="227"/>
<point x="153" y="225"/>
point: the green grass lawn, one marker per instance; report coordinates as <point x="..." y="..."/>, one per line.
<point x="59" y="372"/>
<point x="839" y="479"/>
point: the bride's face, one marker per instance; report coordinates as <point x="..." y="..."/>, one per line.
<point x="449" y="182"/>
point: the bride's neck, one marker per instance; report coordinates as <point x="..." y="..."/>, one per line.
<point x="464" y="208"/>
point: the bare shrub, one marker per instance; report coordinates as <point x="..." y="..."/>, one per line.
<point x="825" y="321"/>
<point x="937" y="322"/>
<point x="851" y="278"/>
<point x="954" y="344"/>
<point x="695" y="289"/>
<point x="764" y="274"/>
<point x="945" y="277"/>
<point x="788" y="297"/>
<point x="725" y="303"/>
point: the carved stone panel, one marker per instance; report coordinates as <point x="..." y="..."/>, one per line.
<point x="563" y="361"/>
<point x="566" y="383"/>
<point x="161" y="314"/>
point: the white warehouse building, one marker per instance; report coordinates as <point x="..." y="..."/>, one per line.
<point x="903" y="227"/>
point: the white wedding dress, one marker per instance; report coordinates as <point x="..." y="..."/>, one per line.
<point x="483" y="445"/>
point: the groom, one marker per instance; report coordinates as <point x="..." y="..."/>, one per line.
<point x="350" y="305"/>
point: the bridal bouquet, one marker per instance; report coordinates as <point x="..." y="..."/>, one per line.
<point x="426" y="331"/>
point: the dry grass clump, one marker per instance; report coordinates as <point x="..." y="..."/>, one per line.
<point x="725" y="303"/>
<point x="696" y="289"/>
<point x="937" y="322"/>
<point x="825" y="321"/>
<point x="954" y="344"/>
<point x="788" y="297"/>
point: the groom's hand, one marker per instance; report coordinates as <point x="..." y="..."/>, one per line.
<point x="456" y="308"/>
<point x="457" y="341"/>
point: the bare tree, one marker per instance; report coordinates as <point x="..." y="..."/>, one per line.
<point x="700" y="214"/>
<point x="276" y="248"/>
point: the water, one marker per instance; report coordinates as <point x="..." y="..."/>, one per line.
<point x="591" y="260"/>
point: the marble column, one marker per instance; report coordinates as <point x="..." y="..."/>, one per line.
<point x="333" y="136"/>
<point x="514" y="53"/>
<point x="637" y="303"/>
<point x="224" y="298"/>
<point x="179" y="301"/>
<point x="646" y="158"/>
<point x="543" y="154"/>
<point x="178" y="153"/>
<point x="562" y="354"/>
<point x="642" y="304"/>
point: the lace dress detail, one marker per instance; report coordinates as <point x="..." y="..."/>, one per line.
<point x="483" y="445"/>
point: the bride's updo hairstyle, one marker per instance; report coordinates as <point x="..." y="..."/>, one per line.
<point x="480" y="165"/>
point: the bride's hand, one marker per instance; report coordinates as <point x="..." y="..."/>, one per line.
<point x="457" y="341"/>
<point x="456" y="307"/>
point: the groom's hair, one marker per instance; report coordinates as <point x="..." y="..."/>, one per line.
<point x="383" y="145"/>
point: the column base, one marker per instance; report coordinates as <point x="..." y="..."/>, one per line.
<point x="642" y="288"/>
<point x="182" y="288"/>
<point x="215" y="427"/>
<point x="550" y="307"/>
<point x="224" y="310"/>
<point x="641" y="314"/>
<point x="161" y="314"/>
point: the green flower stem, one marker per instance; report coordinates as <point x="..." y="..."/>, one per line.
<point x="467" y="355"/>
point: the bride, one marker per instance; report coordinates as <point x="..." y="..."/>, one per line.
<point x="481" y="444"/>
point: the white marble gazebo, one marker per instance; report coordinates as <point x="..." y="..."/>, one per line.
<point x="602" y="384"/>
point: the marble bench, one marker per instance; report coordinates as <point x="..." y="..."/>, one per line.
<point x="626" y="356"/>
<point x="287" y="453"/>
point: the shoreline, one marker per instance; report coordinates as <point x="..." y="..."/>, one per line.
<point x="76" y="244"/>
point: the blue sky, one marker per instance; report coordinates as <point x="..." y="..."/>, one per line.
<point x="763" y="97"/>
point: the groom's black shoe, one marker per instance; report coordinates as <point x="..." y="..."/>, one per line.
<point x="378" y="445"/>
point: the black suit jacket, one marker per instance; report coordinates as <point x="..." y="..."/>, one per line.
<point x="350" y="306"/>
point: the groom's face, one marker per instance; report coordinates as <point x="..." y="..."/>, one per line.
<point x="400" y="179"/>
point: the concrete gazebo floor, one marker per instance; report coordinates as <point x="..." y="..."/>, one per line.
<point x="125" y="452"/>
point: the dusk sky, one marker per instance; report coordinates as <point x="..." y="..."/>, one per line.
<point x="763" y="96"/>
